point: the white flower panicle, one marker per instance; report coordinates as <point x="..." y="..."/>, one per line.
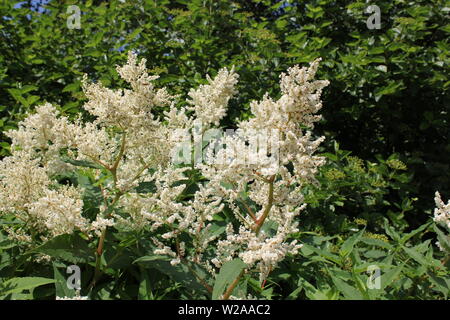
<point x="210" y="101"/>
<point x="59" y="211"/>
<point x="22" y="182"/>
<point x="35" y="131"/>
<point x="442" y="211"/>
<point x="442" y="216"/>
<point x="116" y="141"/>
<point x="273" y="191"/>
<point x="127" y="150"/>
<point x="126" y="108"/>
<point x="100" y="224"/>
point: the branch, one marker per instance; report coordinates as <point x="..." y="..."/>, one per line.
<point x="233" y="285"/>
<point x="260" y="221"/>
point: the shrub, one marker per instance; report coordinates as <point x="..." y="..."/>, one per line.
<point x="128" y="181"/>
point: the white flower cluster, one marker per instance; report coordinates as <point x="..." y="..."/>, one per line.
<point x="441" y="215"/>
<point x="116" y="141"/>
<point x="271" y="188"/>
<point x="127" y="152"/>
<point x="59" y="211"/>
<point x="442" y="211"/>
<point x="210" y="101"/>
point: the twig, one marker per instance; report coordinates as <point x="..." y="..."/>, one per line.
<point x="233" y="285"/>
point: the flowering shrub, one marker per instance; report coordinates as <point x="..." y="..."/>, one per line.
<point x="242" y="211"/>
<point x="137" y="184"/>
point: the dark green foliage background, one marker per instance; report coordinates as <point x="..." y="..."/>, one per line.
<point x="388" y="98"/>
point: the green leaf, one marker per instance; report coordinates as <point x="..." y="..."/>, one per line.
<point x="360" y="285"/>
<point x="7" y="244"/>
<point x="17" y="94"/>
<point x="146" y="187"/>
<point x="18" y="285"/>
<point x="364" y="266"/>
<point x="228" y="273"/>
<point x="391" y="88"/>
<point x="440" y="284"/>
<point x="348" y="245"/>
<point x="416" y="256"/>
<point x="444" y="240"/>
<point x="348" y="291"/>
<point x="72" y="87"/>
<point x="377" y="243"/>
<point x="413" y="233"/>
<point x="67" y="247"/>
<point x="180" y="272"/>
<point x="294" y="294"/>
<point x="312" y="292"/>
<point x="388" y="277"/>
<point x="82" y="163"/>
<point x="391" y="232"/>
<point x="375" y="254"/>
<point x="322" y="253"/>
<point x="28" y="88"/>
<point x="32" y="100"/>
<point x="96" y="39"/>
<point x="144" y="292"/>
<point x="61" y="283"/>
<point x="133" y="35"/>
<point x="92" y="196"/>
